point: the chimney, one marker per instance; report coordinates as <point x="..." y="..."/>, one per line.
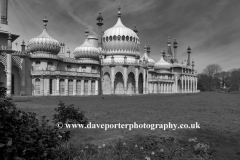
<point x="4" y="11"/>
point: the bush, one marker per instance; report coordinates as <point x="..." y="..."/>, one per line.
<point x="69" y="114"/>
<point x="23" y="136"/>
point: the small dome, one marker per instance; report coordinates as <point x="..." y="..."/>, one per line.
<point x="162" y="64"/>
<point x="149" y="60"/>
<point x="120" y="40"/>
<point x="86" y="50"/>
<point x="44" y="43"/>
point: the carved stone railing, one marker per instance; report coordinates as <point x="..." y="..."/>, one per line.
<point x="64" y="73"/>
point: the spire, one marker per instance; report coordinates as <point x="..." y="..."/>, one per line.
<point x="135" y="29"/>
<point x="169" y="47"/>
<point x="9" y="41"/>
<point x="4" y="11"/>
<point x="175" y="44"/>
<point x="148" y="50"/>
<point x="169" y="41"/>
<point x="23" y="46"/>
<point x="100" y="18"/>
<point x="68" y="51"/>
<point x="145" y="48"/>
<point x="86" y="32"/>
<point x="45" y="22"/>
<point x="189" y="57"/>
<point x="119" y="12"/>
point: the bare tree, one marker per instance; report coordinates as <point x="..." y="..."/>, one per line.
<point x="223" y="76"/>
<point x="211" y="69"/>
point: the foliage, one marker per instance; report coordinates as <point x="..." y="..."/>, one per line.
<point x="208" y="83"/>
<point x="212" y="69"/>
<point x="139" y="147"/>
<point x="69" y="114"/>
<point x="234" y="80"/>
<point x="3" y="90"/>
<point x="23" y="136"/>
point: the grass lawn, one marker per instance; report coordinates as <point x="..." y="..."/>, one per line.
<point x="217" y="113"/>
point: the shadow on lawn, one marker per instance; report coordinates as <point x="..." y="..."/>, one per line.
<point x="223" y="145"/>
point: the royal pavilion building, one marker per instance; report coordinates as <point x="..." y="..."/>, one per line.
<point x="107" y="63"/>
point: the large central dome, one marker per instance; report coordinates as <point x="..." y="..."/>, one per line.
<point x="120" y="40"/>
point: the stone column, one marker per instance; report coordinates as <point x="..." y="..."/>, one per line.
<point x="66" y="86"/>
<point x="181" y="84"/>
<point x="161" y="87"/>
<point x="125" y="77"/>
<point x="155" y="87"/>
<point x="23" y="74"/>
<point x="82" y="86"/>
<point x="96" y="87"/>
<point x="89" y="87"/>
<point x="57" y="86"/>
<point x="144" y="81"/>
<point x="46" y="86"/>
<point x="188" y="84"/>
<point x="33" y="86"/>
<point x="74" y="86"/>
<point x="196" y="83"/>
<point x="42" y="85"/>
<point x="147" y="84"/>
<point x="185" y="84"/>
<point x="136" y="78"/>
<point x="112" y="80"/>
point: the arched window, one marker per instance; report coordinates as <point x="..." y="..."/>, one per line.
<point x="114" y="38"/>
<point x="38" y="65"/>
<point x="103" y="39"/>
<point x="70" y="87"/>
<point x="119" y="37"/>
<point x="131" y="38"/>
<point x="127" y="38"/>
<point x="37" y="86"/>
<point x="123" y="38"/>
<point x="69" y="67"/>
<point x="106" y="38"/>
<point x="93" y="69"/>
<point x="79" y="84"/>
<point x="110" y="38"/>
<point x="49" y="65"/>
<point x="62" y="86"/>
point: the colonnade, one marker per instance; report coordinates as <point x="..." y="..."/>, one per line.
<point x="64" y="86"/>
<point x="161" y="87"/>
<point x="188" y="84"/>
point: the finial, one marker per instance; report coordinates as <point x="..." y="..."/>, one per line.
<point x="189" y="49"/>
<point x="9" y="36"/>
<point x="135" y="29"/>
<point x="169" y="42"/>
<point x="23" y="43"/>
<point x="145" y="48"/>
<point x="86" y="32"/>
<point x="119" y="12"/>
<point x="99" y="18"/>
<point x="45" y="22"/>
<point x="148" y="48"/>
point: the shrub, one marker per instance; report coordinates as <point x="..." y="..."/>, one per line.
<point x="23" y="136"/>
<point x="69" y="114"/>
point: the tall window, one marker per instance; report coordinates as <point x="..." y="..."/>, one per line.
<point x="84" y="68"/>
<point x="37" y="86"/>
<point x="93" y="88"/>
<point x="38" y="65"/>
<point x="49" y="65"/>
<point x="50" y="86"/>
<point x="69" y="68"/>
<point x="12" y="88"/>
<point x="70" y="87"/>
<point x="62" y="87"/>
<point x="78" y="87"/>
<point x="93" y="69"/>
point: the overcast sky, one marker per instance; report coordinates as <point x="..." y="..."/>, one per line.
<point x="210" y="27"/>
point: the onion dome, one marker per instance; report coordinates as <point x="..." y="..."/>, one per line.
<point x="120" y="40"/>
<point x="86" y="51"/>
<point x="150" y="61"/>
<point x="44" y="43"/>
<point x="162" y="64"/>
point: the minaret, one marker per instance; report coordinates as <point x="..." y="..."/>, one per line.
<point x="4" y="11"/>
<point x="100" y="23"/>
<point x="175" y="45"/>
<point x="189" y="51"/>
<point x="9" y="65"/>
<point x="68" y="51"/>
<point x="164" y="55"/>
<point x="148" y="50"/>
<point x="23" y="46"/>
<point x="169" y="53"/>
